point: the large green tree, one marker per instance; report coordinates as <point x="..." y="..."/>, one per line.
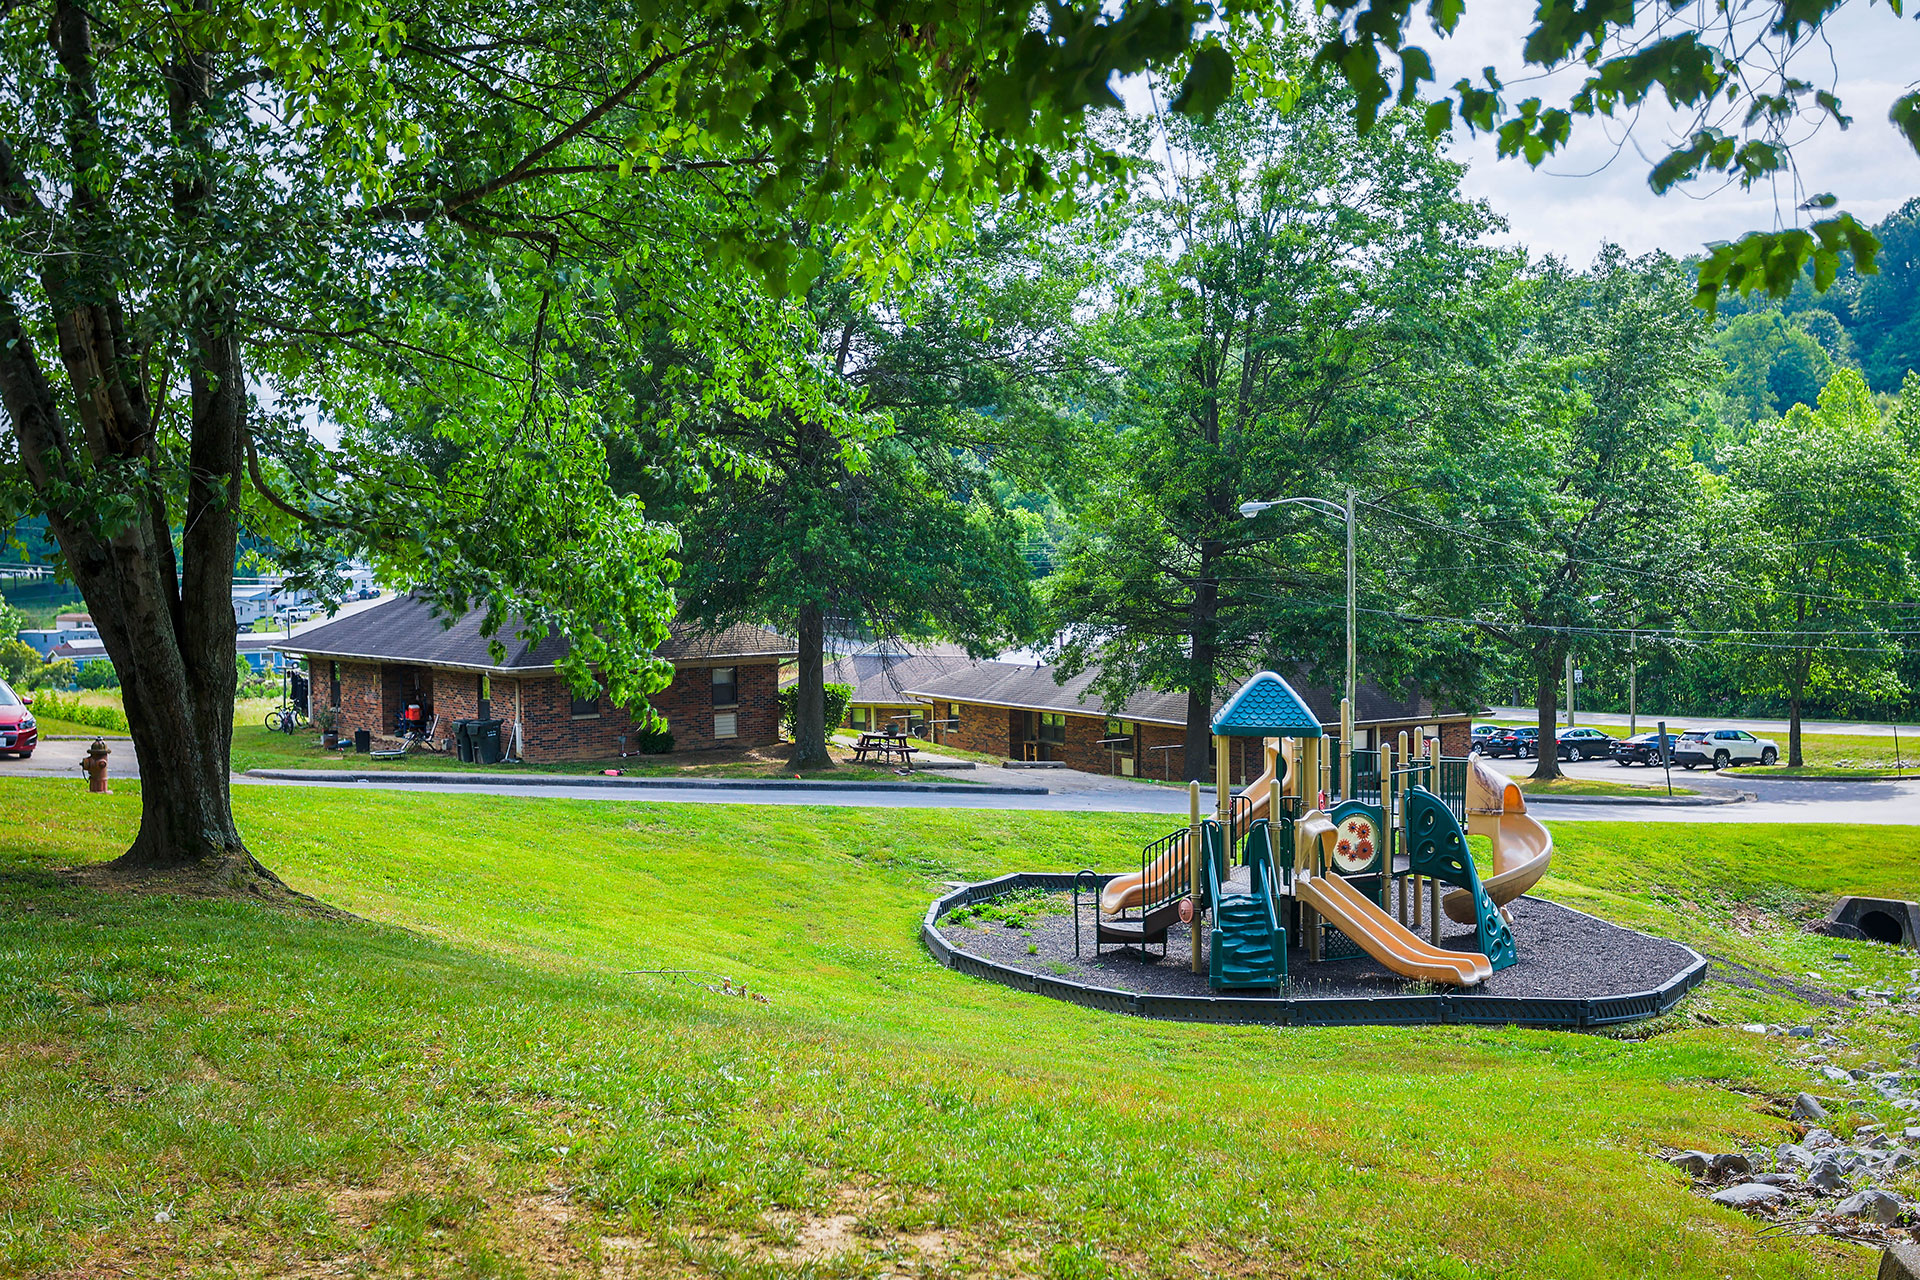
<point x="219" y="220"/>
<point x="1288" y="294"/>
<point x="876" y="510"/>
<point x="1816" y="530"/>
<point x="1556" y="508"/>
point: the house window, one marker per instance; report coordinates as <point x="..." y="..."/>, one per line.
<point x="587" y="708"/>
<point x="1120" y="736"/>
<point x="1053" y="728"/>
<point x="858" y="718"/>
<point x="953" y="717"/>
<point x="726" y="689"/>
<point x="726" y="724"/>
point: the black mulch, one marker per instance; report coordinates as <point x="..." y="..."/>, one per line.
<point x="1562" y="953"/>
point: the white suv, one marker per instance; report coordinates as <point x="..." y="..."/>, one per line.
<point x="1723" y="747"/>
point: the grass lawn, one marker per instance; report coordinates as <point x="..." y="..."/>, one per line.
<point x="476" y="1078"/>
<point x="1593" y="786"/>
<point x="256" y="747"/>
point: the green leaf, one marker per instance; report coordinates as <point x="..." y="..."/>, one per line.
<point x="1208" y="83"/>
<point x="1905" y="115"/>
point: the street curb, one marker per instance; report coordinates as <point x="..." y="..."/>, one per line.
<point x="1664" y="802"/>
<point x="642" y="784"/>
<point x="1799" y="777"/>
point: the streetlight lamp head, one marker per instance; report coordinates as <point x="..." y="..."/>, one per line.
<point x="1248" y="510"/>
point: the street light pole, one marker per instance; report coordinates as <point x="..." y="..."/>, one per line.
<point x="1346" y="512"/>
<point x="1350" y="611"/>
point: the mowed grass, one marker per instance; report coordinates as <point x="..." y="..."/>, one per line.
<point x="478" y="1078"/>
<point x="256" y="747"/>
<point x="1565" y="786"/>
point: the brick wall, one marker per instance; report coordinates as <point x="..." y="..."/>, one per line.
<point x="372" y="693"/>
<point x="1456" y="736"/>
<point x="983" y="729"/>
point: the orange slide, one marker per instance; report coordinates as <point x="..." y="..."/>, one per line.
<point x="1386" y="939"/>
<point x="1167" y="876"/>
<point x="1522" y="847"/>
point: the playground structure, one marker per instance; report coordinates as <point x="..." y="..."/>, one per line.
<point x="1371" y="869"/>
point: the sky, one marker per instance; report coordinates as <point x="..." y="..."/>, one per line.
<point x="1596" y="190"/>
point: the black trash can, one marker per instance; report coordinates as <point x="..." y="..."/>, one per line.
<point x="362" y="741"/>
<point x="463" y="739"/>
<point x="487" y="740"/>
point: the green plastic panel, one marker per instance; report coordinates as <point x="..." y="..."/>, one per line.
<point x="1247" y="947"/>
<point x="1437" y="847"/>
<point x="1266" y="707"/>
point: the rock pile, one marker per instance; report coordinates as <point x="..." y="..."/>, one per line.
<point x="1822" y="1182"/>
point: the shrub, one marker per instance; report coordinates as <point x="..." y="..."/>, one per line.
<point x="19" y="661"/>
<point x="656" y="742"/>
<point x="837" y="698"/>
<point x="99" y="675"/>
<point x="55" y="675"/>
<point x="57" y="707"/>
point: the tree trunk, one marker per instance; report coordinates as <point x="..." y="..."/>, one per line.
<point x="1546" y="702"/>
<point x="1793" y="729"/>
<point x="810" y="695"/>
<point x="91" y="455"/>
<point x="1198" y="756"/>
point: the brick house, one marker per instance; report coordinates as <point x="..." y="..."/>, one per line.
<point x="1021" y="712"/>
<point x="375" y="664"/>
<point x="882" y="673"/>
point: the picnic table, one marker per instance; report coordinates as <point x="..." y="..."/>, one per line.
<point x="888" y="747"/>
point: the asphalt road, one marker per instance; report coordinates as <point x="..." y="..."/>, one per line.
<point x="1775" y="800"/>
<point x="1776" y="729"/>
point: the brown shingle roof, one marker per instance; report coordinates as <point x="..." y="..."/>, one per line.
<point x="1029" y="687"/>
<point x="408" y="629"/>
<point x="881" y="676"/>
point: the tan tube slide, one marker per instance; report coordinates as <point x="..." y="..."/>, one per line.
<point x="1167" y="876"/>
<point x="1522" y="847"/>
<point x="1385" y="939"/>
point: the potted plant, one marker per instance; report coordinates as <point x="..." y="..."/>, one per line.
<point x="328" y="718"/>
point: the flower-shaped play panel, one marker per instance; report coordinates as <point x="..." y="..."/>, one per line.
<point x="1354" y="846"/>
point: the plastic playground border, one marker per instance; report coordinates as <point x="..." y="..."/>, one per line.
<point x="1309" y="1011"/>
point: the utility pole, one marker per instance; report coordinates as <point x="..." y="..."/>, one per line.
<point x="1352" y="698"/>
<point x="1570" y="721"/>
<point x="1633" y="680"/>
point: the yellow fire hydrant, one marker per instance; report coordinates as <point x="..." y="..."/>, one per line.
<point x="95" y="767"/>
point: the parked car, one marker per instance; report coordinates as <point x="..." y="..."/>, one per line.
<point x="1518" y="743"/>
<point x="1582" y="744"/>
<point x="1643" y="748"/>
<point x="1723" y="747"/>
<point x="1482" y="732"/>
<point x="18" y="734"/>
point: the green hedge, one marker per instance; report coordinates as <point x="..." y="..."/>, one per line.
<point x="838" y="696"/>
<point x="73" y="711"/>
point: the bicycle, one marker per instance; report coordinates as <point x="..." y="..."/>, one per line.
<point x="286" y="720"/>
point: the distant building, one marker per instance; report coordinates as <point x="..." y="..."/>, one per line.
<point x="1018" y="711"/>
<point x="882" y="673"/>
<point x="45" y="640"/>
<point x="377" y="664"/>
<point x="258" y="650"/>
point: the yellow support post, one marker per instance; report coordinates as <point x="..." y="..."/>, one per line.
<point x="1193" y="866"/>
<point x="1223" y="788"/>
<point x="1387" y="819"/>
<point x="1346" y="748"/>
<point x="1433" y="890"/>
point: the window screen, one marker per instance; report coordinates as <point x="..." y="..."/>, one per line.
<point x="586" y="708"/>
<point x="726" y="691"/>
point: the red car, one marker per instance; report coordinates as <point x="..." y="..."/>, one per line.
<point x="18" y="736"/>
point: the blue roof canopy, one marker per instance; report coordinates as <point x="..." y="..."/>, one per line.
<point x="1266" y="707"/>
